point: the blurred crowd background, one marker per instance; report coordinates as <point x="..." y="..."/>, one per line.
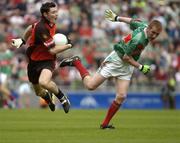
<point x="93" y="38"/>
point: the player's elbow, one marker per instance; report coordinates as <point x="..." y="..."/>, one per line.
<point x="126" y="58"/>
<point x="52" y="51"/>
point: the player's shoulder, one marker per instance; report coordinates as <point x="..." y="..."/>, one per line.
<point x="144" y="24"/>
<point x="41" y="23"/>
<point x="137" y="23"/>
<point x="40" y="26"/>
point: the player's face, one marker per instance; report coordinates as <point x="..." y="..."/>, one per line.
<point x="152" y="33"/>
<point x="52" y="15"/>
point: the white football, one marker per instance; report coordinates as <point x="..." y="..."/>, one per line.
<point x="60" y="39"/>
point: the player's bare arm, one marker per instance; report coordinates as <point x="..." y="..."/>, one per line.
<point x="27" y="33"/>
<point x="143" y="68"/>
<point x="58" y="49"/>
<point x="110" y="15"/>
<point x="20" y="41"/>
<point x="130" y="60"/>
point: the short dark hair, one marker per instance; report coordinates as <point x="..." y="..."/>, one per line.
<point x="46" y="7"/>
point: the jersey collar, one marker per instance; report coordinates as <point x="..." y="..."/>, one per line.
<point x="47" y="22"/>
<point x="145" y="32"/>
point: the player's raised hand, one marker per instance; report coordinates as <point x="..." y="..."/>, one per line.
<point x="110" y="15"/>
<point x="17" y="42"/>
<point x="144" y="68"/>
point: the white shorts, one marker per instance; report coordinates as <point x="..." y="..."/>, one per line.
<point x="113" y="66"/>
<point x="24" y="88"/>
<point x="3" y="78"/>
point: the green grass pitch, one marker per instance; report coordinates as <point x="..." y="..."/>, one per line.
<point x="82" y="126"/>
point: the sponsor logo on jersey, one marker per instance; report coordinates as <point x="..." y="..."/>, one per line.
<point x="127" y="38"/>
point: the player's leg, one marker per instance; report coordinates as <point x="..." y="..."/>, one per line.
<point x="34" y="71"/>
<point x="47" y="96"/>
<point x="76" y="62"/>
<point x="46" y="82"/>
<point x="90" y="82"/>
<point x="121" y="92"/>
<point x="8" y="98"/>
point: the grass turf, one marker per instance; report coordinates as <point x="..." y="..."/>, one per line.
<point x="82" y="126"/>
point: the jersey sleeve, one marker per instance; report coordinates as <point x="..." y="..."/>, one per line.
<point x="43" y="36"/>
<point x="135" y="23"/>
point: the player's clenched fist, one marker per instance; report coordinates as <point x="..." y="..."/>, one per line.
<point x="144" y="68"/>
<point x="110" y="15"/>
<point x="17" y="42"/>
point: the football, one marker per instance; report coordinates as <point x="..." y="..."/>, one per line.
<point x="60" y="39"/>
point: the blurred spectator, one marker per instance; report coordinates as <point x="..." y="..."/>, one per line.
<point x="168" y="92"/>
<point x="85" y="29"/>
<point x="88" y="54"/>
<point x="5" y="74"/>
<point x="21" y="80"/>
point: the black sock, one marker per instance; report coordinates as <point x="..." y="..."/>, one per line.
<point x="46" y="97"/>
<point x="60" y="94"/>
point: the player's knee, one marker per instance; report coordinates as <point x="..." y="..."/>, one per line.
<point x="90" y="87"/>
<point x="40" y="93"/>
<point x="121" y="97"/>
<point x="43" y="82"/>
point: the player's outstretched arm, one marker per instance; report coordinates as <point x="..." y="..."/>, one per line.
<point x="110" y="15"/>
<point x="27" y="33"/>
<point x="143" y="68"/>
<point x="20" y="41"/>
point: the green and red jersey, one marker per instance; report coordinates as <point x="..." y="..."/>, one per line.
<point x="134" y="43"/>
<point x="5" y="62"/>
